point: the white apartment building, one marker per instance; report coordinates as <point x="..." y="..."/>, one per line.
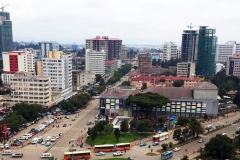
<point x="223" y="51"/>
<point x="59" y="67"/>
<point x="170" y="51"/>
<point x="16" y="61"/>
<point x="95" y="61"/>
<point x="48" y="46"/>
<point x="86" y="78"/>
<point x="35" y="52"/>
<point x="186" y="69"/>
<point x="30" y="89"/>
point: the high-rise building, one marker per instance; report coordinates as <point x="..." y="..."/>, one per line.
<point x="207" y="42"/>
<point x="189" y="45"/>
<point x="112" y="46"/>
<point x="145" y="63"/>
<point x="225" y="50"/>
<point x="123" y="54"/>
<point x="233" y="65"/>
<point x="169" y="51"/>
<point x="6" y="38"/>
<point x="59" y="67"/>
<point x="36" y="52"/>
<point x="16" y="61"/>
<point x="95" y="61"/>
<point x="48" y="46"/>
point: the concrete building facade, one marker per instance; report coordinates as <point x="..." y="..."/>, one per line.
<point x="112" y="46"/>
<point x="76" y="80"/>
<point x="124" y="52"/>
<point x="170" y="51"/>
<point x="233" y="65"/>
<point x="48" y="46"/>
<point x="186" y="69"/>
<point x="86" y="78"/>
<point x="145" y="63"/>
<point x="110" y="67"/>
<point x="95" y="61"/>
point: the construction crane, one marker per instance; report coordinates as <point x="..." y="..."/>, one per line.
<point x="190" y="26"/>
<point x="3" y="7"/>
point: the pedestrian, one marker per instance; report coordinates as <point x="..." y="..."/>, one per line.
<point x="70" y="124"/>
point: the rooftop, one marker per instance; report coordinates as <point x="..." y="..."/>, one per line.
<point x="204" y="85"/>
<point x="109" y="62"/>
<point x="103" y="38"/>
<point x="172" y="92"/>
<point x="167" y="78"/>
<point x="112" y="92"/>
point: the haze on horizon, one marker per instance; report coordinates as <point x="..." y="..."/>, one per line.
<point x="150" y="22"/>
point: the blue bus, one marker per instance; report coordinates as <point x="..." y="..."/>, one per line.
<point x="167" y="155"/>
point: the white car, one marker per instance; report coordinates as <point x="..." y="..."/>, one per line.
<point x="1" y="146"/>
<point x="57" y="137"/>
<point x="43" y="142"/>
<point x="176" y="149"/>
<point x="200" y="141"/>
<point x="118" y="153"/>
<point x="48" y="138"/>
<point x="6" y="146"/>
<point x="224" y="134"/>
<point x="53" y="139"/>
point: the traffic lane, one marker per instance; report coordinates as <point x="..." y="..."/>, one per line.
<point x="194" y="146"/>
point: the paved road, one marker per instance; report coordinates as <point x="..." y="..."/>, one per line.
<point x="69" y="132"/>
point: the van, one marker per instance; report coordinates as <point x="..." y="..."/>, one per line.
<point x="46" y="155"/>
<point x="7" y="152"/>
<point x="27" y="135"/>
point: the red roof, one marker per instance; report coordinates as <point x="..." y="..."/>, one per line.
<point x="168" y="78"/>
<point x="110" y="62"/>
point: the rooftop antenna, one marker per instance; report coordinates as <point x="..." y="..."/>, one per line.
<point x="3" y="7"/>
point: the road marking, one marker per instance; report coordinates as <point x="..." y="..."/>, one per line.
<point x="36" y="147"/>
<point x="60" y="148"/>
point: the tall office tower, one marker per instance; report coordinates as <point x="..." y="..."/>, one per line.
<point x="189" y="45"/>
<point x="225" y="50"/>
<point x="95" y="61"/>
<point x="6" y="38"/>
<point x="169" y="51"/>
<point x="16" y="61"/>
<point x="48" y="46"/>
<point x="207" y="42"/>
<point x="145" y="63"/>
<point x="112" y="46"/>
<point x="59" y="67"/>
<point x="123" y="54"/>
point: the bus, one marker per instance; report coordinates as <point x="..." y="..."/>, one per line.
<point x="167" y="155"/>
<point x="123" y="146"/>
<point x="160" y="137"/>
<point x="103" y="148"/>
<point x="77" y="155"/>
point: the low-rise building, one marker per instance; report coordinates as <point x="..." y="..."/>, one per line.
<point x="186" y="69"/>
<point x="87" y="78"/>
<point x="110" y="67"/>
<point x="233" y="65"/>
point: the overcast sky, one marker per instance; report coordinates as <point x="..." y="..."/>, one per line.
<point x="134" y="21"/>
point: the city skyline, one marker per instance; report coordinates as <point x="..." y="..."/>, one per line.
<point x="145" y="22"/>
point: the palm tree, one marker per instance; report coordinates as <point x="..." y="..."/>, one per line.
<point x="52" y="158"/>
<point x="185" y="157"/>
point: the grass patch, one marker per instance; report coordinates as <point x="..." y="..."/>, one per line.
<point x="110" y="139"/>
<point x="151" y="154"/>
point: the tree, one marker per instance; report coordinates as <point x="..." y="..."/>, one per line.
<point x="144" y="125"/>
<point x="144" y="86"/>
<point x="236" y="99"/>
<point x="177" y="134"/>
<point x="100" y="125"/>
<point x="125" y="83"/>
<point x="133" y="123"/>
<point x="93" y="134"/>
<point x="108" y="128"/>
<point x="161" y="121"/>
<point x="67" y="106"/>
<point x="220" y="146"/>
<point x="124" y="126"/>
<point x="147" y="101"/>
<point x="164" y="146"/>
<point x="98" y="77"/>
<point x="182" y="121"/>
<point x="185" y="157"/>
<point x="117" y="133"/>
<point x="185" y="133"/>
<point x="178" y="83"/>
<point x="195" y="127"/>
<point x="170" y="144"/>
<point x="14" y="120"/>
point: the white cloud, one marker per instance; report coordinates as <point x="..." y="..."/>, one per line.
<point x="134" y="21"/>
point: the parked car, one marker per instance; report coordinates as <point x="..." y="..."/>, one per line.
<point x="176" y="149"/>
<point x="118" y="153"/>
<point x="43" y="142"/>
<point x="60" y="134"/>
<point x="73" y="119"/>
<point x="200" y="141"/>
<point x="64" y="125"/>
<point x="100" y="154"/>
<point x="53" y="139"/>
<point x="48" y="144"/>
<point x="17" y="155"/>
<point x="40" y="140"/>
<point x="89" y="123"/>
<point x="15" y="144"/>
<point x="143" y="144"/>
<point x="1" y="146"/>
<point x="6" y="146"/>
<point x="155" y="144"/>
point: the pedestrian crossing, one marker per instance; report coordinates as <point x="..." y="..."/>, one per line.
<point x="43" y="147"/>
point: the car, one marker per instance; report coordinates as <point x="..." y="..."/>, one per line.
<point x="1" y="146"/>
<point x="53" y="139"/>
<point x="40" y="140"/>
<point x="224" y="134"/>
<point x="68" y="113"/>
<point x="176" y="149"/>
<point x="15" y="144"/>
<point x="43" y="142"/>
<point x="6" y="146"/>
<point x="67" y="117"/>
<point x="48" y="144"/>
<point x="64" y="125"/>
<point x="60" y="134"/>
<point x="57" y="137"/>
<point x="100" y="154"/>
<point x="48" y="138"/>
<point x="89" y="123"/>
<point x="142" y="144"/>
<point x="118" y="153"/>
<point x="155" y="144"/>
<point x="73" y="119"/>
<point x="17" y="155"/>
<point x="200" y="141"/>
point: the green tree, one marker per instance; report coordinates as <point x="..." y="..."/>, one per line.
<point x="220" y="146"/>
<point x="93" y="134"/>
<point x="178" y="83"/>
<point x="147" y="101"/>
<point x="124" y="126"/>
<point x="164" y="146"/>
<point x="67" y="106"/>
<point x="182" y="121"/>
<point x="108" y="128"/>
<point x="144" y="125"/>
<point x="117" y="133"/>
<point x="170" y="144"/>
<point x="185" y="133"/>
<point x="100" y="125"/>
<point x="177" y="134"/>
<point x="185" y="157"/>
<point x="144" y="86"/>
<point x="161" y="121"/>
<point x="236" y="99"/>
<point x="133" y="123"/>
<point x="125" y="83"/>
<point x="195" y="127"/>
<point x="98" y="77"/>
<point x="14" y="120"/>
